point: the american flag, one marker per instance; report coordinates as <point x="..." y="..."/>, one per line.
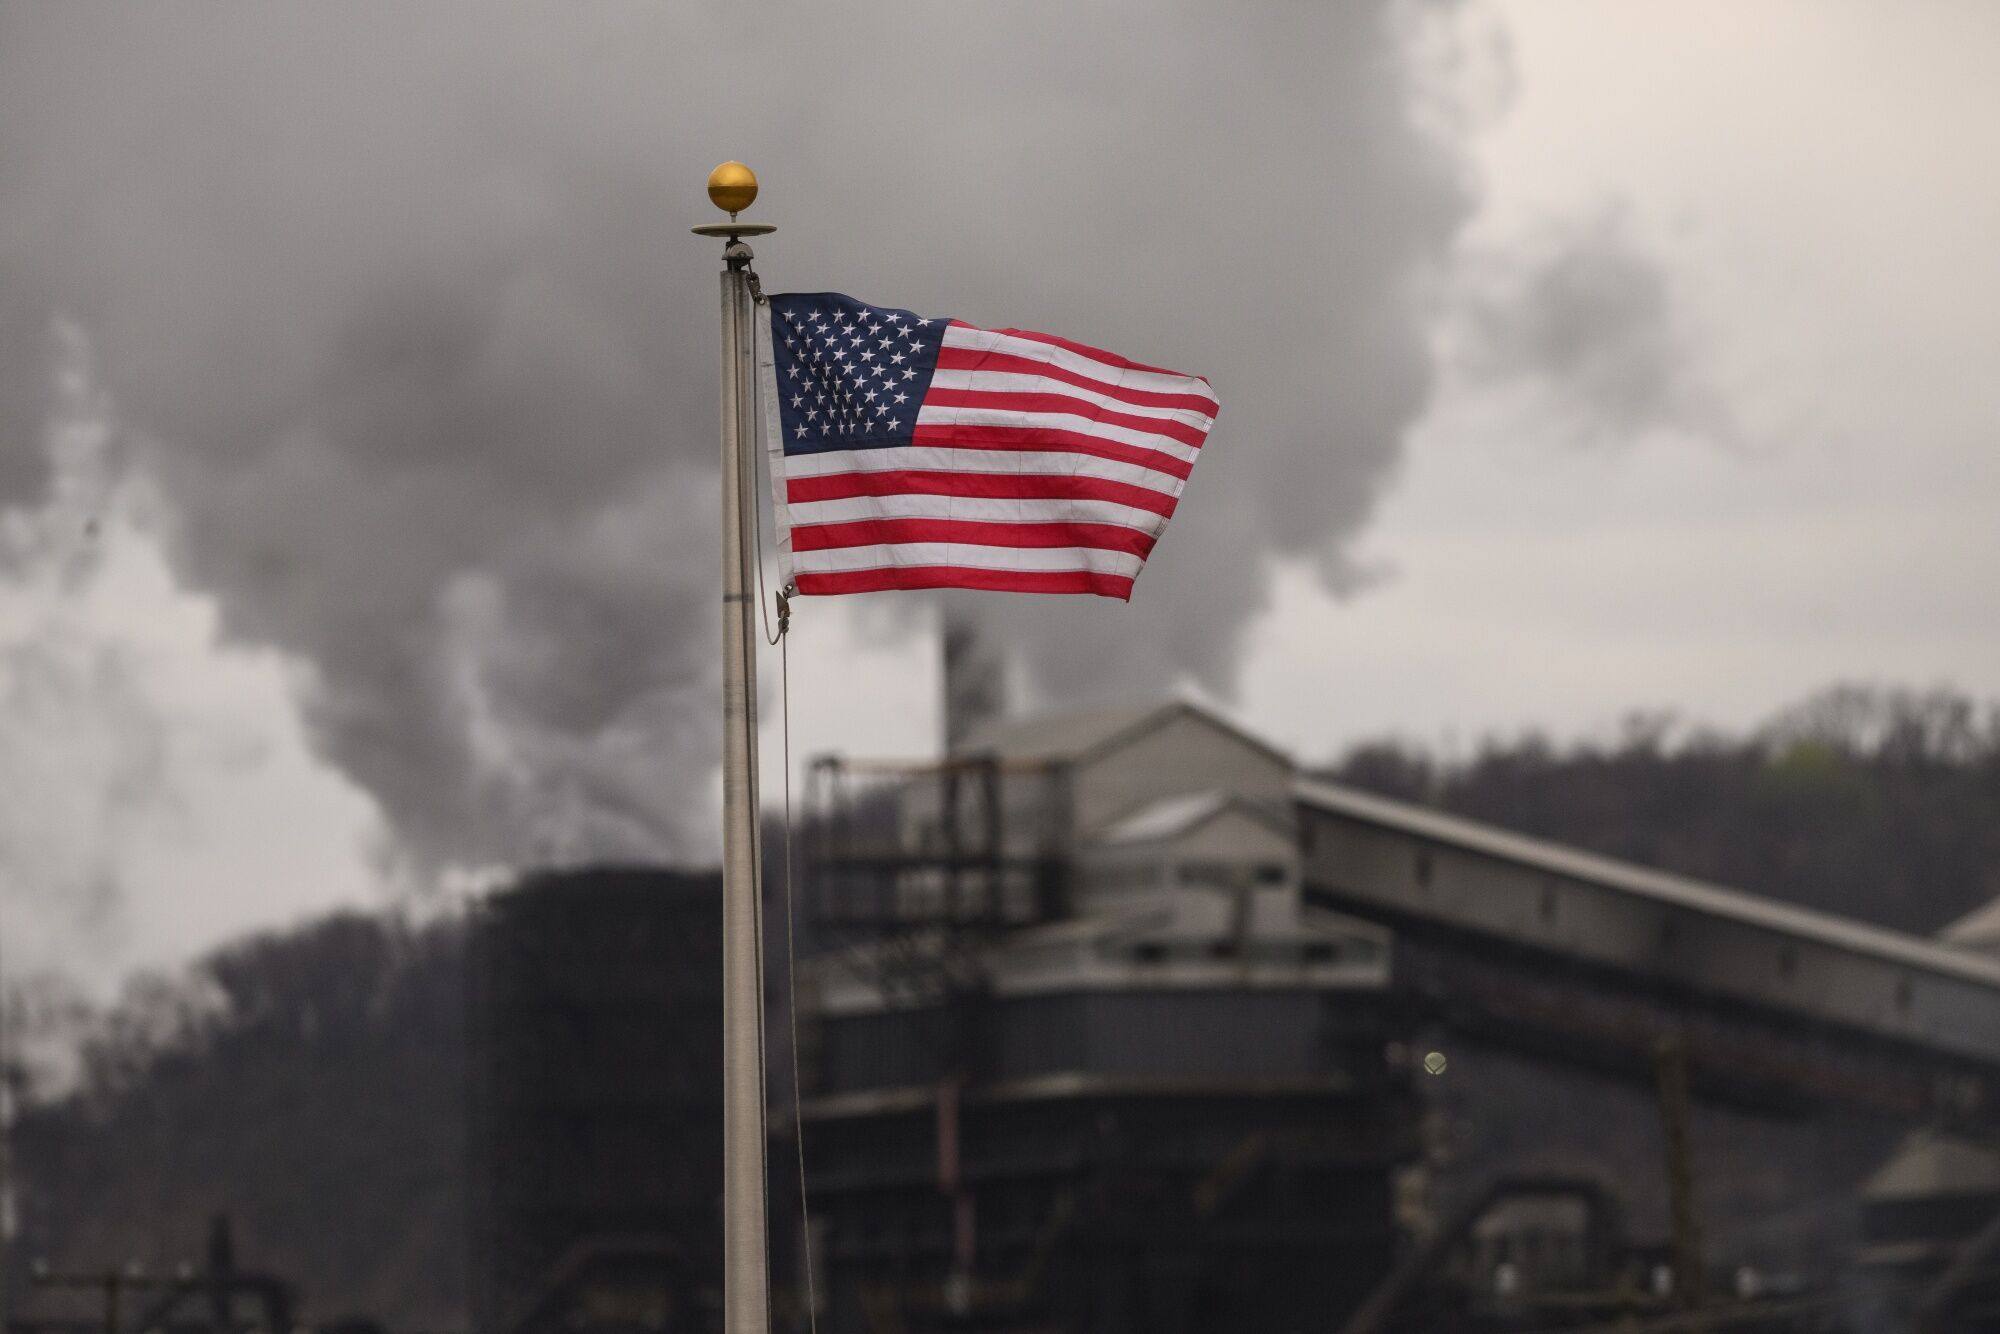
<point x="909" y="452"/>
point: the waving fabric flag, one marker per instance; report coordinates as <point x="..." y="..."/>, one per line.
<point x="908" y="452"/>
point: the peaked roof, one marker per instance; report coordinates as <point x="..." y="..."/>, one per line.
<point x="1171" y="817"/>
<point x="1071" y="737"/>
<point x="1054" y="736"/>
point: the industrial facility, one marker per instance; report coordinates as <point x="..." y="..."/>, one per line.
<point x="1084" y="1056"/>
<point x="1110" y="1022"/>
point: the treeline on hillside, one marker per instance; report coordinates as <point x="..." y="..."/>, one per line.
<point x="309" y="1084"/>
<point x="1870" y="802"/>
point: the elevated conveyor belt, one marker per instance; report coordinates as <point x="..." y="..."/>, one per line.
<point x="1596" y="960"/>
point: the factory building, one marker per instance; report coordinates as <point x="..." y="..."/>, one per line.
<point x="1135" y="929"/>
<point x="1080" y="1057"/>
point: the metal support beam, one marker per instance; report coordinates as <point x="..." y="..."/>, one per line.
<point x="1670" y="1067"/>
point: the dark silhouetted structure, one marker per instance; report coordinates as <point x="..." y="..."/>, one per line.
<point x="595" y="998"/>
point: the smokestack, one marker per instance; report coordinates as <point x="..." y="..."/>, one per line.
<point x="975" y="679"/>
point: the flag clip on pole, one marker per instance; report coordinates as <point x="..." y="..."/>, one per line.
<point x="745" y="1269"/>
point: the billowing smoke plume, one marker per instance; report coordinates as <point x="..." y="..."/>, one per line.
<point x="1579" y="321"/>
<point x="127" y="733"/>
<point x="403" y="300"/>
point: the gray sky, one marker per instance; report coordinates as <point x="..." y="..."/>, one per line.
<point x="359" y="420"/>
<point x="1814" y="186"/>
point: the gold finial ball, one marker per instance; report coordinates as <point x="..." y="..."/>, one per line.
<point x="731" y="187"/>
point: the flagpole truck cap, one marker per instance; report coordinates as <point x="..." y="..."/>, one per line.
<point x="732" y="187"/>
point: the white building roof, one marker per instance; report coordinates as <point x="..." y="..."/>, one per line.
<point x="1061" y="737"/>
<point x="1171" y="817"/>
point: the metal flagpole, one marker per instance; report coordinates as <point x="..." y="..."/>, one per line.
<point x="745" y="1269"/>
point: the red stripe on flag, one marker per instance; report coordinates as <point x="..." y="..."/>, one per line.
<point x="1037" y="438"/>
<point x="974" y="359"/>
<point x="976" y="485"/>
<point x="1008" y="401"/>
<point x="972" y="532"/>
<point x="965" y="576"/>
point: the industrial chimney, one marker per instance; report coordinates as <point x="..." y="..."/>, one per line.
<point x="975" y="678"/>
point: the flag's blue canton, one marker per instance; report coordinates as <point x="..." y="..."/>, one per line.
<point x="850" y="376"/>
